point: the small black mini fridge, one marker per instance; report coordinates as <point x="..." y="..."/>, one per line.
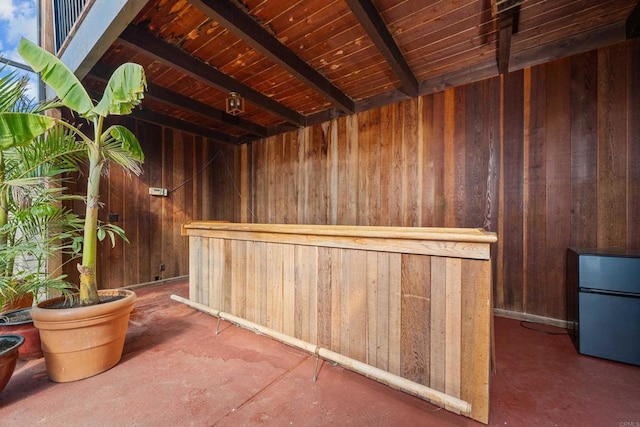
<point x="604" y="302"/>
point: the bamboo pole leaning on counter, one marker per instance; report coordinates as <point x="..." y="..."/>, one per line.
<point x="369" y="371"/>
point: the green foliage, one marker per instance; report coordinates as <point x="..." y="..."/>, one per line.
<point x="117" y="145"/>
<point x="34" y="224"/>
<point x="19" y="128"/>
<point x="112" y="231"/>
<point x="124" y="91"/>
<point x="54" y="73"/>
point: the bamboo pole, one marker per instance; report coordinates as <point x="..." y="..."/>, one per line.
<point x="434" y="396"/>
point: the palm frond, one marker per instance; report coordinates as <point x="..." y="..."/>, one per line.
<point x="12" y="90"/>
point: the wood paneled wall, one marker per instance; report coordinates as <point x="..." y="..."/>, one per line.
<point x="389" y="166"/>
<point x="548" y="157"/>
<point x="194" y="170"/>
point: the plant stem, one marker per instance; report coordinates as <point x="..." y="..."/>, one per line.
<point x="88" y="284"/>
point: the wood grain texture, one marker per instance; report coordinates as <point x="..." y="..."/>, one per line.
<point x="153" y="223"/>
<point x="401" y="312"/>
<point x="534" y="157"/>
<point x="395" y="307"/>
<point x="584" y="143"/>
<point x="513" y="193"/>
<point x="558" y="187"/>
<point x="633" y="143"/>
<point x="415" y="316"/>
<point x="453" y="324"/>
<point x="535" y="194"/>
<point x="437" y="324"/>
<point x="612" y="146"/>
<point x="578" y="187"/>
<point x="474" y="337"/>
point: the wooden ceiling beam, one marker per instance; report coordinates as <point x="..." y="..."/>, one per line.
<point x="177" y="58"/>
<point x="243" y="26"/>
<point x="633" y="23"/>
<point x="500" y="6"/>
<point x="160" y="119"/>
<point x="579" y="43"/>
<point x="372" y="22"/>
<point x="508" y="24"/>
<point x="504" y="41"/>
<point x="194" y="106"/>
<point x="164" y="120"/>
<point x="102" y="72"/>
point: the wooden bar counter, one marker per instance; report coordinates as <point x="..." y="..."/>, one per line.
<point x="414" y="302"/>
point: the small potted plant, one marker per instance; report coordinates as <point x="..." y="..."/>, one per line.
<point x="99" y="347"/>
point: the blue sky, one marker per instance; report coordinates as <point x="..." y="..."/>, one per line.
<point x="17" y="19"/>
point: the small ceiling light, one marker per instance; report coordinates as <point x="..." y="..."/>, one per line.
<point x="235" y="104"/>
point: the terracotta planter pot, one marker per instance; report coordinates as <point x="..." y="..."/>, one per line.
<point x="9" y="345"/>
<point x="84" y="341"/>
<point x="13" y="322"/>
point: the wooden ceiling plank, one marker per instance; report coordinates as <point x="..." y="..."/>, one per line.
<point x="271" y="10"/>
<point x="445" y="42"/>
<point x="563" y="22"/>
<point x="373" y="24"/>
<point x="339" y="57"/>
<point x="441" y="35"/>
<point x="633" y="22"/>
<point x="436" y="21"/>
<point x="102" y="72"/>
<point x="458" y="49"/>
<point x="461" y="61"/>
<point x="361" y="64"/>
<point x="193" y="67"/>
<point x="246" y="28"/>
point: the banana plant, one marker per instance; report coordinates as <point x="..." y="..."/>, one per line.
<point x="115" y="144"/>
<point x="33" y="221"/>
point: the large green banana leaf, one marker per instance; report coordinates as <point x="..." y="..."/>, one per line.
<point x="121" y="146"/>
<point x="124" y="90"/>
<point x="54" y="73"/>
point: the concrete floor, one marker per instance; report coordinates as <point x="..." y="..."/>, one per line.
<point x="176" y="371"/>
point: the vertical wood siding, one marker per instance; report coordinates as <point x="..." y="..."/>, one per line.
<point x="547" y="157"/>
<point x="179" y="162"/>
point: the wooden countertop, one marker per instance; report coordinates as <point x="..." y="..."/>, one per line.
<point x="457" y="242"/>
